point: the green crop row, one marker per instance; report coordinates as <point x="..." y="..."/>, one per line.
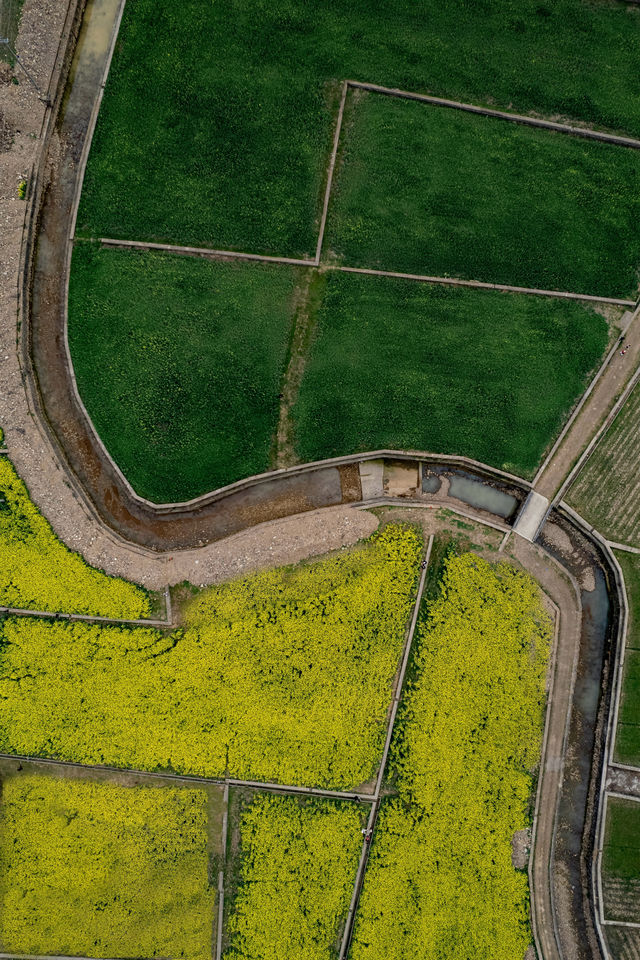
<point x="103" y="870"/>
<point x="283" y="676"/>
<point x="38" y="572"/>
<point x="441" y="882"/>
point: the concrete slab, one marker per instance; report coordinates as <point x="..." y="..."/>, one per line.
<point x="531" y="516"/>
<point x="372" y="479"/>
<point x="400" y="478"/>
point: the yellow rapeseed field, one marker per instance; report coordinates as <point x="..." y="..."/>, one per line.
<point x="38" y="572"/>
<point x="441" y="883"/>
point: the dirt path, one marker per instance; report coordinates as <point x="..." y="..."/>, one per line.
<point x="594" y="411"/>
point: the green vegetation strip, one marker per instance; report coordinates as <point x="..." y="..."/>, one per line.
<point x="240" y="99"/>
<point x="627" y="743"/>
<point x="297" y="867"/>
<point x="403" y="365"/>
<point x="285" y="676"/>
<point x="38" y="572"/>
<point x="440" y="881"/>
<point x="103" y="870"/>
<point x="621" y="861"/>
<point x="428" y="190"/>
<point x="607" y="489"/>
<point x="179" y="363"/>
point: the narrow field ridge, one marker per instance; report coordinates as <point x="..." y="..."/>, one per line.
<point x="417" y="277"/>
<point x="194" y="778"/>
<point x="483" y="285"/>
<point x="501" y="115"/>
<point x="201" y="252"/>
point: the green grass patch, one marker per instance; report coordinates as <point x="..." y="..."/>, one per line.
<point x="297" y="869"/>
<point x="428" y="190"/>
<point x="284" y="676"/>
<point x="440" y="882"/>
<point x="239" y="100"/>
<point x="404" y="365"/>
<point x="103" y="870"/>
<point x="179" y="363"/>
<point x="621" y="860"/>
<point x="628" y="737"/>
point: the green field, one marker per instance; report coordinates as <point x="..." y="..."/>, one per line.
<point x="606" y="491"/>
<point x="298" y="862"/>
<point x="179" y="363"/>
<point x="427" y="190"/>
<point x="441" y="883"/>
<point x="621" y="861"/>
<point x="10" y="13"/>
<point x="102" y="870"/>
<point x="403" y="365"/>
<point x="627" y="744"/>
<point x="240" y="99"/>
<point x="283" y="676"/>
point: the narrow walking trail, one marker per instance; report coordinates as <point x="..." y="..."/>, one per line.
<point x="591" y="414"/>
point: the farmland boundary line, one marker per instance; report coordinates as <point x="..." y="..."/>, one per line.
<point x="331" y="170"/>
<point x="621" y="923"/>
<point x="566" y="128"/>
<point x="578" y="407"/>
<point x="225" y="825"/>
<point x="373" y="815"/>
<point x="203" y="252"/>
<point x="186" y="778"/>
<point x="591" y="446"/>
<point x="89" y="617"/>
<point x="206" y="253"/>
<point x="623" y="796"/>
<point x="623" y="546"/>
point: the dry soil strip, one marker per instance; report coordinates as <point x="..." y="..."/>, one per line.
<point x="225" y="824"/>
<point x="567" y="128"/>
<point x="373" y="815"/>
<point x="193" y="778"/>
<point x="482" y="285"/>
<point x="204" y="252"/>
<point x="561" y="458"/>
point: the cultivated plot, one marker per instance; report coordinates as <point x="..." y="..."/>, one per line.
<point x="441" y="882"/>
<point x="627" y="742"/>
<point x="428" y="190"/>
<point x="283" y="676"/>
<point x="38" y="572"/>
<point x="179" y="363"/>
<point x="621" y="861"/>
<point x="294" y="869"/>
<point x="240" y="98"/>
<point x="102" y="870"/>
<point x="401" y="365"/>
<point x="606" y="492"/>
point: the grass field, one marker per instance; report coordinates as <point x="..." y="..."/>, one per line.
<point x="179" y="363"/>
<point x="627" y="744"/>
<point x="38" y="572"/>
<point x="105" y="871"/>
<point x="422" y="189"/>
<point x="10" y="12"/>
<point x="607" y="489"/>
<point x="410" y="366"/>
<point x="441" y="883"/>
<point x="239" y="100"/>
<point x="298" y="862"/>
<point x="621" y="861"/>
<point x="283" y="676"/>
